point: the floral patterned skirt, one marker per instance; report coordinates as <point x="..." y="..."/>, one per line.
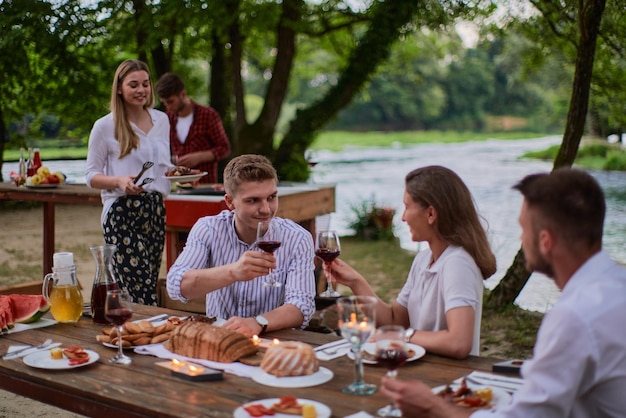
<point x="136" y="225"/>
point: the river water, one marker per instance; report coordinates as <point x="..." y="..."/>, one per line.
<point x="489" y="168"/>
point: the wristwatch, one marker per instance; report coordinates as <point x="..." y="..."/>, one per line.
<point x="408" y="334"/>
<point x="261" y="320"/>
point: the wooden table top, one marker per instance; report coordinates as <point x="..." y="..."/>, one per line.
<point x="143" y="389"/>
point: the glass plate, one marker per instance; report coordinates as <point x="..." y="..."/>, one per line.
<point x="500" y="397"/>
<point x="322" y="410"/>
<point x="323" y="375"/>
<point x="370" y="349"/>
<point x="42" y="360"/>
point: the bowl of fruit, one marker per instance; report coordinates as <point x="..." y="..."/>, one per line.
<point x="45" y="179"/>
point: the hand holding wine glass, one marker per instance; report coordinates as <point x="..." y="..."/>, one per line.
<point x="391" y="352"/>
<point x="118" y="309"/>
<point x="327" y="247"/>
<point x="267" y="240"/>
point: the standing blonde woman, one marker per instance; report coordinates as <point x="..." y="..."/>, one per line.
<point x="442" y="298"/>
<point x="133" y="216"/>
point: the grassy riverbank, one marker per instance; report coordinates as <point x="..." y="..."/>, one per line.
<point x="332" y="141"/>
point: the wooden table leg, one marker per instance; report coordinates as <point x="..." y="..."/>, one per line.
<point x="48" y="236"/>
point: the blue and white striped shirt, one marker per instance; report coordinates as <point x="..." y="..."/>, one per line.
<point x="213" y="242"/>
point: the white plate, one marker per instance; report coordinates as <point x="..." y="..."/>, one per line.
<point x="370" y="348"/>
<point x="42" y="360"/>
<point x="41" y="186"/>
<point x="189" y="177"/>
<point x="323" y="375"/>
<point x="500" y="397"/>
<point x="323" y="411"/>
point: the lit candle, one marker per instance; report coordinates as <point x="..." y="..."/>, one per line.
<point x="176" y="364"/>
<point x="275" y="341"/>
<point x="255" y="340"/>
<point x="195" y="370"/>
<point x="353" y="317"/>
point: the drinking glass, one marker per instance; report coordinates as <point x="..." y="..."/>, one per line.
<point x="357" y="322"/>
<point x="118" y="309"/>
<point x="267" y="240"/>
<point x="391" y="352"/>
<point x="327" y="247"/>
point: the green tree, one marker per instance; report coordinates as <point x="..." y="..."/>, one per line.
<point x="585" y="22"/>
<point x="49" y="63"/>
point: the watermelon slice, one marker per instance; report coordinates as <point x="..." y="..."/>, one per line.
<point x="28" y="308"/>
<point x="6" y="313"/>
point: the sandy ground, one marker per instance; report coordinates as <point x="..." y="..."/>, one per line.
<point x="21" y="249"/>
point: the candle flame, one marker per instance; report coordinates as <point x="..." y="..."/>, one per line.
<point x="275" y="341"/>
<point x="255" y="339"/>
<point x="353" y="317"/>
<point x="177" y="362"/>
<point x="195" y="369"/>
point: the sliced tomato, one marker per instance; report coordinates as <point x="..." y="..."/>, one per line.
<point x="287" y="401"/>
<point x="75" y="361"/>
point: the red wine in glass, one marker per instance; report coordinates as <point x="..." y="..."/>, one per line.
<point x="119" y="316"/>
<point x="391" y="358"/>
<point x="268" y="246"/>
<point x="327" y="254"/>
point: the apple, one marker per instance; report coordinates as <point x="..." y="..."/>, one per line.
<point x="60" y="175"/>
<point x="35" y="180"/>
<point x="53" y="179"/>
<point x="44" y="180"/>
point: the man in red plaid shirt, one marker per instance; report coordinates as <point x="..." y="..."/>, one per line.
<point x="197" y="137"/>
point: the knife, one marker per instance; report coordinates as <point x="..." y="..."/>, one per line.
<point x="29" y="350"/>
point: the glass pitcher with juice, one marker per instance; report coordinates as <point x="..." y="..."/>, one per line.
<point x="65" y="298"/>
<point x="104" y="280"/>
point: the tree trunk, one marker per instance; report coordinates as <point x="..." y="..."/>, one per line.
<point x="589" y="18"/>
<point x="387" y="21"/>
<point x="258" y="138"/>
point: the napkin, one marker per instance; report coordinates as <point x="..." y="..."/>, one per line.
<point x="510" y="384"/>
<point x="158" y="350"/>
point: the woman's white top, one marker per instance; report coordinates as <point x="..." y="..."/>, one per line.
<point x="104" y="151"/>
<point x="454" y="280"/>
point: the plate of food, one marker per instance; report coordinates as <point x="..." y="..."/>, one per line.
<point x="368" y="353"/>
<point x="70" y="358"/>
<point x="182" y="174"/>
<point x="473" y="396"/>
<point x="284" y="407"/>
<point x="323" y="375"/>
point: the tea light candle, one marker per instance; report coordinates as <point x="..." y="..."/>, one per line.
<point x="275" y="341"/>
<point x="193" y="370"/>
<point x="255" y="340"/>
<point x="177" y="364"/>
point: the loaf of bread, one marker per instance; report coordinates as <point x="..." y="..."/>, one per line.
<point x="203" y="341"/>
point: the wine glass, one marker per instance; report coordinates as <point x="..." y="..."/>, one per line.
<point x="357" y="322"/>
<point x="268" y="241"/>
<point x="391" y="352"/>
<point x="118" y="309"/>
<point x="327" y="247"/>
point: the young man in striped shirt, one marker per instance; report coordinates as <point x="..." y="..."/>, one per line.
<point x="220" y="259"/>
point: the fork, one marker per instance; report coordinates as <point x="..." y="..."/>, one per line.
<point x="21" y="350"/>
<point x="145" y="166"/>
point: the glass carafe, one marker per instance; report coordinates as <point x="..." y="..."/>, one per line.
<point x="65" y="298"/>
<point x="105" y="280"/>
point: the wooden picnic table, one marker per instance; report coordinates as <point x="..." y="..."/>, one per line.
<point x="143" y="389"/>
<point x="301" y="203"/>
